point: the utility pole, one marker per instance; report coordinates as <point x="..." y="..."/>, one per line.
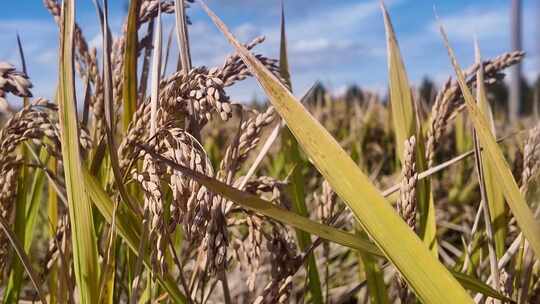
<point x="515" y="81"/>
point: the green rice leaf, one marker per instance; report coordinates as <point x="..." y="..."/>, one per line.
<point x="374" y="277"/>
<point x="129" y="228"/>
<point x="129" y="90"/>
<point x="80" y="211"/>
<point x="15" y="280"/>
<point x="13" y="288"/>
<point x="297" y="182"/>
<point x="23" y="258"/>
<point x="297" y="193"/>
<point x="375" y="280"/>
<point x="403" y="114"/>
<point x="110" y="112"/>
<point x="283" y="58"/>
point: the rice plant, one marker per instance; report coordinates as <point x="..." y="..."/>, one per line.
<point x="149" y="187"/>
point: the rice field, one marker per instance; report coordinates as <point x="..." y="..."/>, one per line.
<point x="152" y="187"/>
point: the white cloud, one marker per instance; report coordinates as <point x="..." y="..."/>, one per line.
<point x="246" y="31"/>
<point x="47" y="56"/>
<point x="310" y="45"/>
<point x="335" y="21"/>
<point x="470" y="23"/>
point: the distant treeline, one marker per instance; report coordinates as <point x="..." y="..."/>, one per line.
<point x="498" y="95"/>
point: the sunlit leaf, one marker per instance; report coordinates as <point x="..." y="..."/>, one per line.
<point x="524" y="217"/>
<point x="406" y="125"/>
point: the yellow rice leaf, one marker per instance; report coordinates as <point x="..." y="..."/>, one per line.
<point x="431" y="281"/>
<point x="405" y="125"/>
<point x="494" y="193"/>
<point x="401" y="100"/>
<point x="524" y="217"/>
<point x="80" y="212"/>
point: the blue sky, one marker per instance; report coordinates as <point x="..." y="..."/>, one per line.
<point x="338" y="42"/>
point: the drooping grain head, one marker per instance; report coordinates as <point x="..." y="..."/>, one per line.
<point x="531" y="159"/>
<point x="284" y="262"/>
<point x="449" y="100"/>
<point x="14" y="82"/>
<point x="406" y="205"/>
